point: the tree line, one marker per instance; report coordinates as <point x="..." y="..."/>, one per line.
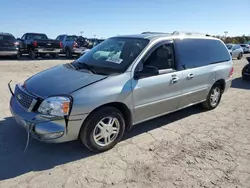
<point x="236" y="40"/>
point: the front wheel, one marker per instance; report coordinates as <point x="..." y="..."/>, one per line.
<point x="213" y="98"/>
<point x="246" y="72"/>
<point x="103" y="129"/>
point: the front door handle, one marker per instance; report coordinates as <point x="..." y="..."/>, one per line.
<point x="190" y="76"/>
<point x="174" y="80"/>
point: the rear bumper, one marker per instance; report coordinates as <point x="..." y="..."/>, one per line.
<point x="78" y="50"/>
<point x="42" y="50"/>
<point x="8" y="53"/>
<point x="228" y="84"/>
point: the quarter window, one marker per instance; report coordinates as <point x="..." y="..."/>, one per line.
<point x="194" y="53"/>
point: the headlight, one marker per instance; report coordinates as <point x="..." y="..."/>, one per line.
<point x="56" y="106"/>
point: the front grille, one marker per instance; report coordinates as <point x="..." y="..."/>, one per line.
<point x="25" y="99"/>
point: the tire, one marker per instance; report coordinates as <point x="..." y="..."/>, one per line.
<point x="32" y="54"/>
<point x="92" y="127"/>
<point x="210" y="104"/>
<point x="18" y="56"/>
<point x="240" y="56"/>
<point x="244" y="76"/>
<point x="55" y="56"/>
<point x="42" y="55"/>
<point x="68" y="53"/>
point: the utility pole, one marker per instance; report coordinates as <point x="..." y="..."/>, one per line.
<point x="81" y="32"/>
<point x="226" y="32"/>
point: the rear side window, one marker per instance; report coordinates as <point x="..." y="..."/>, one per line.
<point x="7" y="37"/>
<point x="71" y="38"/>
<point x="194" y="53"/>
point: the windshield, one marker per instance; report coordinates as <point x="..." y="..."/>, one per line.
<point x="37" y="37"/>
<point x="114" y="54"/>
<point x="7" y="37"/>
<point x="229" y="46"/>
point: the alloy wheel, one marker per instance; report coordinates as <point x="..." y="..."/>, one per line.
<point x="106" y="131"/>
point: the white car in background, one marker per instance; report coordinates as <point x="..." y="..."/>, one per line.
<point x="246" y="48"/>
<point x="235" y="50"/>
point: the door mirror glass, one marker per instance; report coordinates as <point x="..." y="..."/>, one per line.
<point x="146" y="72"/>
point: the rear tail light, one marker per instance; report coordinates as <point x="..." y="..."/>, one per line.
<point x="61" y="45"/>
<point x="75" y="45"/>
<point x="16" y="43"/>
<point x="231" y="73"/>
<point x="35" y="44"/>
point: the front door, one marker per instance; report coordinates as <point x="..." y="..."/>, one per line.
<point x="157" y="95"/>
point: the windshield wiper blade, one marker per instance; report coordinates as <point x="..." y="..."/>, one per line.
<point x="85" y="66"/>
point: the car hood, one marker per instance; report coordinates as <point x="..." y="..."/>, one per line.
<point x="59" y="80"/>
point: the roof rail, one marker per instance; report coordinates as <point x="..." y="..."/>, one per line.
<point x="150" y="32"/>
<point x="189" y="33"/>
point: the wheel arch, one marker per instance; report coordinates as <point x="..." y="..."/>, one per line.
<point x="222" y="83"/>
<point x="123" y="108"/>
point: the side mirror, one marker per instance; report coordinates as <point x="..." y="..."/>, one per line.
<point x="146" y="72"/>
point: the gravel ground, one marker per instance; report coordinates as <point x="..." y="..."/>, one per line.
<point x="189" y="148"/>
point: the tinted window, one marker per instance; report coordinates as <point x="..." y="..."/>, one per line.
<point x="229" y="46"/>
<point x="162" y="57"/>
<point x="200" y="52"/>
<point x="114" y="54"/>
<point x="243" y="45"/>
<point x="71" y="38"/>
<point x="24" y="37"/>
<point x="37" y="37"/>
<point x="7" y="37"/>
<point x="59" y="38"/>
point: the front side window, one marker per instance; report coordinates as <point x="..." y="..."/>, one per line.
<point x="114" y="54"/>
<point x="194" y="53"/>
<point x="162" y="57"/>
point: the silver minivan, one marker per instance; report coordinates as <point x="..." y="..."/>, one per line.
<point x="121" y="82"/>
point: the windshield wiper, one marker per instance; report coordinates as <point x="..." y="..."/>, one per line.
<point x="79" y="66"/>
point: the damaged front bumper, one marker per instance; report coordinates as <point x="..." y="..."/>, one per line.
<point x="44" y="128"/>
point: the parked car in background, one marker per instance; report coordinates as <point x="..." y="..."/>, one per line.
<point x="123" y="81"/>
<point x="246" y="48"/>
<point x="38" y="44"/>
<point x="72" y="45"/>
<point x="235" y="50"/>
<point x="92" y="42"/>
<point x="9" y="46"/>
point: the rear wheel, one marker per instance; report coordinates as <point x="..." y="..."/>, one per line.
<point x="42" y="55"/>
<point x="55" y="56"/>
<point x="103" y="129"/>
<point x="246" y="72"/>
<point x="213" y="98"/>
<point x="17" y="56"/>
<point x="240" y="56"/>
<point x="32" y="54"/>
<point x="68" y="53"/>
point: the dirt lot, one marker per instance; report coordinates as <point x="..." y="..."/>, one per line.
<point x="190" y="148"/>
